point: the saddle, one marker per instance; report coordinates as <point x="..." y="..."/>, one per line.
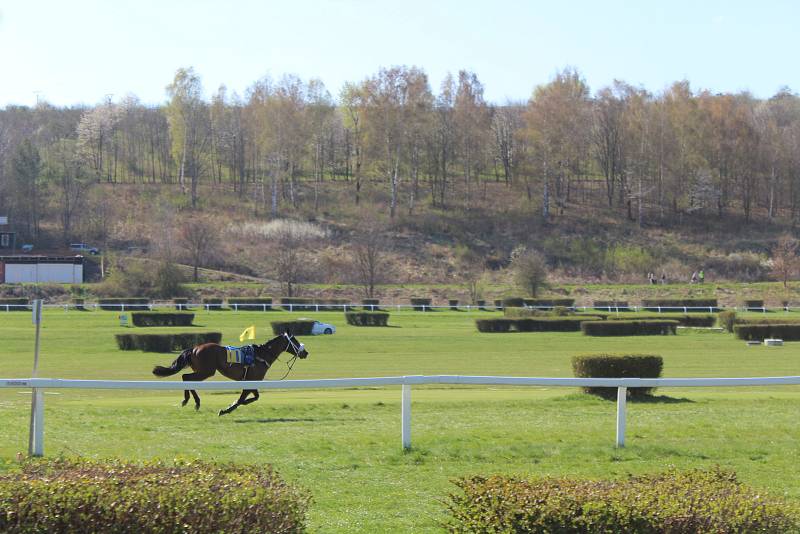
<point x="242" y="355"/>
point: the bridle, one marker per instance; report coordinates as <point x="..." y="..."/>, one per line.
<point x="298" y="348"/>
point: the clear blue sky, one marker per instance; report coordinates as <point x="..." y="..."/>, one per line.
<point x="78" y="51"/>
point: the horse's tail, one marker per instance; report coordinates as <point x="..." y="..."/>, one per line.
<point x="179" y="363"/>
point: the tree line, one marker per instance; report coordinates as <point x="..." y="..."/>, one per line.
<point x="652" y="157"/>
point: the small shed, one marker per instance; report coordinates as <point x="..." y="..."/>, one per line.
<point x="36" y="269"/>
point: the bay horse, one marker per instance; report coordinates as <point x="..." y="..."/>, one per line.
<point x="208" y="358"/>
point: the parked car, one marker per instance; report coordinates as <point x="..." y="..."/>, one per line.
<point x="322" y="328"/>
<point x="26" y="248"/>
<point x="83" y="247"/>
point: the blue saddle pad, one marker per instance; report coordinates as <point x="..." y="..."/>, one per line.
<point x="243" y="355"/>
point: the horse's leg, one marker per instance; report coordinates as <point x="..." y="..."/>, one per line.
<point x="185" y="397"/>
<point x="194" y="377"/>
<point x="251" y="399"/>
<point x="236" y="404"/>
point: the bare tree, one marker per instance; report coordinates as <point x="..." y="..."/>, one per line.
<point x="785" y="262"/>
<point x="530" y="270"/>
<point x="287" y="262"/>
<point x="369" y="255"/>
<point x="198" y="238"/>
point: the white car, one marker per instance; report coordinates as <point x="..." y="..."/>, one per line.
<point x="322" y="328"/>
<point x="83" y="247"/>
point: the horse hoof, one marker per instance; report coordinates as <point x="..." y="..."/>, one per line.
<point x="222" y="412"/>
<point x="197" y="407"/>
<point x="183" y="404"/>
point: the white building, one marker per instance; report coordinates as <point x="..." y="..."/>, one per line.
<point x="35" y="269"/>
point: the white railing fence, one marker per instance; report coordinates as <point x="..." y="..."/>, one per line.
<point x="38" y="385"/>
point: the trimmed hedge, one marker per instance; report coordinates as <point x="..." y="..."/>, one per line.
<point x="212" y="303"/>
<point x="453" y="304"/>
<point x="124" y="304"/>
<point x="371" y="304"/>
<point x="538" y="324"/>
<point x="694" y="319"/>
<point x="332" y="304"/>
<point x="421" y="304"/>
<point x="297" y="304"/>
<point x="115" y="496"/>
<point x="367" y="318"/>
<point x="760" y="332"/>
<point x="629" y="328"/>
<point x="513" y="302"/>
<point x="546" y="304"/>
<point x="754" y="305"/>
<point x="162" y="319"/>
<point x="78" y="304"/>
<point x="15" y="304"/>
<point x="656" y="304"/>
<point x="181" y="303"/>
<point x="295" y="328"/>
<point x="165" y="342"/>
<point x="611" y="305"/>
<point x="678" y="502"/>
<point x="617" y="366"/>
<point x="250" y="303"/>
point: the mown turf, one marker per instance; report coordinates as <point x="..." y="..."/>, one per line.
<point x="344" y="445"/>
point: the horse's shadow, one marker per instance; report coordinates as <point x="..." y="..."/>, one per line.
<point x="278" y="420"/>
<point x="660" y="399"/>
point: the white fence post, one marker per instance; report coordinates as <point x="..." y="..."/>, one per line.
<point x="405" y="414"/>
<point x="36" y="439"/>
<point x="622" y="400"/>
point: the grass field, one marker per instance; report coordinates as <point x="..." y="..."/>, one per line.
<point x="344" y="445"/>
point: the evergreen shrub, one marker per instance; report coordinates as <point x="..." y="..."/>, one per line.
<point x="295" y="328"/>
<point x="421" y="304"/>
<point x="679" y="304"/>
<point x="165" y="342"/>
<point x="250" y="303"/>
<point x="212" y="303"/>
<point x="367" y="318"/>
<point x="617" y="366"/>
<point x="124" y="304"/>
<point x="162" y="319"/>
<point x="760" y="332"/>
<point x="629" y="328"/>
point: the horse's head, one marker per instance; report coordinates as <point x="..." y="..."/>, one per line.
<point x="294" y="347"/>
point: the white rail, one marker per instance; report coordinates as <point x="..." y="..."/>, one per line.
<point x="38" y="385"/>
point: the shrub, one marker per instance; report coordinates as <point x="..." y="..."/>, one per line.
<point x="513" y="302"/>
<point x="165" y="342"/>
<point x="481" y="304"/>
<point x="114" y="496"/>
<point x="371" y="304"/>
<point x="162" y="319"/>
<point x="696" y="501"/>
<point x="331" y="304"/>
<point x="760" y="332"/>
<point x="452" y="304"/>
<point x="124" y="304"/>
<point x="727" y="319"/>
<point x="551" y="324"/>
<point x="250" y="303"/>
<point x="297" y="304"/>
<point x="518" y="313"/>
<point x="421" y="304"/>
<point x="547" y="304"/>
<point x="611" y="305"/>
<point x="78" y="304"/>
<point x="679" y="304"/>
<point x="181" y="303"/>
<point x="629" y="328"/>
<point x="529" y="270"/>
<point x="212" y="303"/>
<point x="498" y="304"/>
<point x="493" y="325"/>
<point x="617" y="366"/>
<point x="754" y="305"/>
<point x="694" y="319"/>
<point x="367" y="318"/>
<point x="15" y="304"/>
<point x="295" y="328"/>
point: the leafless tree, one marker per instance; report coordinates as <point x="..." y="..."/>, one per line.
<point x="198" y="237"/>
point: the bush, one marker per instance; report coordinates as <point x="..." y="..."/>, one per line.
<point x="611" y="305"/>
<point x="617" y="366"/>
<point x="297" y="304"/>
<point x="165" y="342"/>
<point x="760" y="332"/>
<point x="679" y="502"/>
<point x="754" y="305"/>
<point x="78" y="304"/>
<point x="15" y="304"/>
<point x="367" y="318"/>
<point x="250" y="303"/>
<point x="421" y="304"/>
<point x="679" y="304"/>
<point x="212" y="303"/>
<point x="494" y="325"/>
<point x="694" y="319"/>
<point x="629" y="328"/>
<point x="481" y="304"/>
<point x="371" y="304"/>
<point x="452" y="304"/>
<point x="162" y="319"/>
<point x="181" y="303"/>
<point x="295" y="328"/>
<point x="727" y="319"/>
<point x="124" y="304"/>
<point x="331" y="304"/>
<point x="548" y="304"/>
<point x="513" y="302"/>
<point x="538" y="324"/>
<point x="114" y="496"/>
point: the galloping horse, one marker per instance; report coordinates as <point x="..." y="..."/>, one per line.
<point x="208" y="358"/>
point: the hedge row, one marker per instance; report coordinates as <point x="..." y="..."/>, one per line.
<point x="371" y="304"/>
<point x="629" y="328"/>
<point x="655" y="304"/>
<point x="124" y="304"/>
<point x="678" y="502"/>
<point x="367" y="318"/>
<point x="295" y="328"/>
<point x="611" y="305"/>
<point x="212" y="303"/>
<point x="181" y="303"/>
<point x="165" y="342"/>
<point x="113" y="496"/>
<point x="421" y="304"/>
<point x="250" y="303"/>
<point x="694" y="319"/>
<point x="538" y="324"/>
<point x="15" y="304"/>
<point x="617" y="366"/>
<point x="760" y="332"/>
<point x="162" y="319"/>
<point x="549" y="303"/>
<point x="755" y="305"/>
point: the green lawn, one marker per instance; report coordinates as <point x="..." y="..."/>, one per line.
<point x="344" y="445"/>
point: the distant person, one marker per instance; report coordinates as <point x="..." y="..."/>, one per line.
<point x="650" y="278"/>
<point x="663" y="278"/>
<point x="694" y="278"/>
<point x="702" y="276"/>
